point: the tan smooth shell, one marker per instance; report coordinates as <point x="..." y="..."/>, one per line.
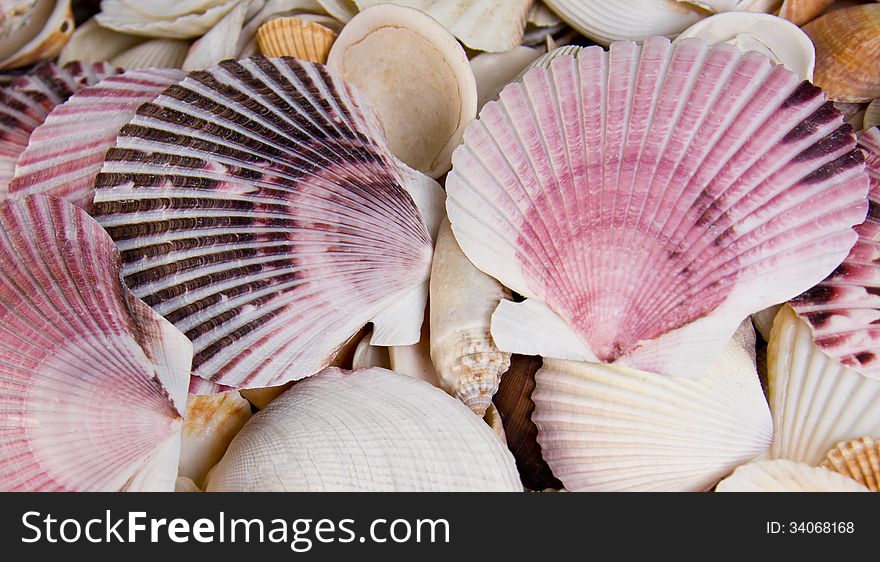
<point x="418" y="78"/>
<point x="848" y="53"/>
<point x="800" y="12"/>
<point x="858" y="459"/>
<point x="295" y="37"/>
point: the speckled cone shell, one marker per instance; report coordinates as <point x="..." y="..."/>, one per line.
<point x="92" y="382"/>
<point x="642" y="222"/>
<point x="389" y="433"/>
<point x="27" y="101"/>
<point x="816" y="401"/>
<point x="468" y="364"/>
<point x="269" y="227"/>
<point x="786" y="476"/>
<point x="843" y="311"/>
<point x="603" y="428"/>
<point x="858" y="459"/>
<point x="848" y="52"/>
<point x="295" y="37"/>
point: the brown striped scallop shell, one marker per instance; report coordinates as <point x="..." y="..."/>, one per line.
<point x="257" y="207"/>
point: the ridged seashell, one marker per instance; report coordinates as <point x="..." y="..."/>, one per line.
<point x="172" y="19"/>
<point x="843" y="311"/>
<point x="48" y="27"/>
<point x="93" y="383"/>
<point x="800" y="12"/>
<point x="416" y="75"/>
<point x="605" y="22"/>
<point x="153" y="53"/>
<point x="468" y="364"/>
<point x="493" y="420"/>
<point x="780" y="40"/>
<point x="605" y="428"/>
<point x="269" y="229"/>
<point x="91" y="43"/>
<point x="681" y="218"/>
<point x="545" y="60"/>
<point x="210" y="423"/>
<point x="816" y="401"/>
<point x="858" y="459"/>
<point x="27" y="101"/>
<point x="848" y="52"/>
<point x="514" y="403"/>
<point x="493" y="71"/>
<point x="390" y="433"/>
<point x="295" y="37"/>
<point x="482" y="25"/>
<point x="871" y="117"/>
<point x="786" y="476"/>
<point x="65" y="153"/>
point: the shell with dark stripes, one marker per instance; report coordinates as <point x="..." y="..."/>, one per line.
<point x="258" y="208"/>
<point x="25" y="103"/>
<point x="844" y="310"/>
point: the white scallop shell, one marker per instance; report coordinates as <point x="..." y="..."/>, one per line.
<point x="153" y="53"/>
<point x="368" y="430"/>
<point x="172" y="19"/>
<point x="605" y="428"/>
<point x="816" y="401"/>
<point x="786" y="476"/>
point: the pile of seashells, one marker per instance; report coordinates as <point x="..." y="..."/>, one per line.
<point x="467" y="245"/>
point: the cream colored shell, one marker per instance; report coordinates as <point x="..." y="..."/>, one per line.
<point x="786" y="476"/>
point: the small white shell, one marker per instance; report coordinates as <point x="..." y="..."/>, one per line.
<point x="779" y="39"/>
<point x="45" y="30"/>
<point x="786" y="476"/>
<point x="368" y="430"/>
<point x="173" y="19"/>
<point x="91" y="43"/>
<point x="211" y="421"/>
<point x="816" y="401"/>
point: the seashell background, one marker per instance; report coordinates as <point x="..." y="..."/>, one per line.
<point x="508" y="245"/>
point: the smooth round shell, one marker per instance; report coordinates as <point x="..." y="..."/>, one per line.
<point x="417" y="77"/>
<point x="368" y="430"/>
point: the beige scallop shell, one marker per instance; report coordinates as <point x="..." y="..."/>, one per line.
<point x="295" y="37"/>
<point x="786" y="476"/>
<point x="858" y="459"/>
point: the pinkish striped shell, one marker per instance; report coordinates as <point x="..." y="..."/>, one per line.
<point x="65" y="153"/>
<point x="843" y="311"/>
<point x="257" y="207"/>
<point x="92" y="382"/>
<point x="677" y="190"/>
<point x="25" y="103"/>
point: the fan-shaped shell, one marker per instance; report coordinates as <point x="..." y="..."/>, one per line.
<point x="389" y="433"/>
<point x="26" y="102"/>
<point x="786" y="476"/>
<point x="46" y="29"/>
<point x="482" y="25"/>
<point x="65" y="153"/>
<point x="843" y="311"/>
<point x="848" y="52"/>
<point x="258" y="208"/>
<point x="606" y="428"/>
<point x="858" y="459"/>
<point x="816" y="401"/>
<point x="92" y="383"/>
<point x="416" y="75"/>
<point x="678" y="190"/>
<point x="295" y="37"/>
<point x="154" y="53"/>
